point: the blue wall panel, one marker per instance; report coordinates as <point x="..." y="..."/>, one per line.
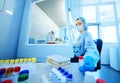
<point x="10" y="25"/>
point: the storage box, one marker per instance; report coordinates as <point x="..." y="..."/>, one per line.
<point x="58" y="61"/>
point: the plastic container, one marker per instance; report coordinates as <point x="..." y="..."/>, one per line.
<point x="2" y="73"/>
<point x="9" y="72"/>
<point x="81" y="60"/>
<point x="25" y="60"/>
<point x="16" y="71"/>
<point x="12" y="61"/>
<point x="29" y="59"/>
<point x="62" y="71"/>
<point x="65" y="73"/>
<point x="30" y="65"/>
<point x="63" y="79"/>
<point x="59" y="68"/>
<point x="7" y="81"/>
<point x="34" y="60"/>
<point x="24" y="72"/>
<point x="1" y="62"/>
<point x="55" y="75"/>
<point x="6" y="61"/>
<point x="100" y="80"/>
<point x="16" y="61"/>
<point x="59" y="77"/>
<point x="21" y="60"/>
<point x="89" y="77"/>
<point x="69" y="78"/>
<point x="23" y="76"/>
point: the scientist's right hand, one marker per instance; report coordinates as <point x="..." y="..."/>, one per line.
<point x="88" y="65"/>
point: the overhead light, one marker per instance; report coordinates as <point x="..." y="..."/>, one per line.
<point x="70" y="17"/>
<point x="36" y="1"/>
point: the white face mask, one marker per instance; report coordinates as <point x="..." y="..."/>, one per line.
<point x="79" y="28"/>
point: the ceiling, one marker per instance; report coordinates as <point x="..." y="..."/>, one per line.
<point x="55" y="9"/>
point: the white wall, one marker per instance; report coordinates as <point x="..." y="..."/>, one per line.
<point x="10" y="25"/>
<point x="41" y="24"/>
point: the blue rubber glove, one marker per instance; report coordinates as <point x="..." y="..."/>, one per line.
<point x="82" y="70"/>
<point x="88" y="65"/>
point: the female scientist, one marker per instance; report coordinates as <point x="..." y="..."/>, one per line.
<point x="86" y="46"/>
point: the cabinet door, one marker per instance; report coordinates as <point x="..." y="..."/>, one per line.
<point x="2" y="2"/>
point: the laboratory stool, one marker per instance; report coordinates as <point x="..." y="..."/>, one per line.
<point x="100" y="81"/>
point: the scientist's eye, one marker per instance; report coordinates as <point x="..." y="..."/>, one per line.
<point x="79" y="23"/>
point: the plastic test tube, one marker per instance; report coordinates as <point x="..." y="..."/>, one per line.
<point x="12" y="61"/>
<point x="7" y="81"/>
<point x="1" y="61"/>
<point x="2" y="73"/>
<point x="23" y="76"/>
<point x="25" y="60"/>
<point x="24" y="72"/>
<point x="16" y="71"/>
<point x="29" y="59"/>
<point x="9" y="71"/>
<point x="6" y="61"/>
<point x="34" y="60"/>
<point x="69" y="78"/>
<point x="21" y="60"/>
<point x="16" y="61"/>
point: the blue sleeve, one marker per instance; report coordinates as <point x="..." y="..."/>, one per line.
<point x="91" y="49"/>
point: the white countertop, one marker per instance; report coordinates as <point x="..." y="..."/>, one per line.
<point x="44" y="68"/>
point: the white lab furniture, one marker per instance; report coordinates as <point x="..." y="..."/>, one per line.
<point x="1" y="5"/>
<point x="114" y="59"/>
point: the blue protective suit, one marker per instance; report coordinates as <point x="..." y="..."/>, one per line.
<point x="87" y="47"/>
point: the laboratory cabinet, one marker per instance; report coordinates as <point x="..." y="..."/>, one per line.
<point x="2" y="2"/>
